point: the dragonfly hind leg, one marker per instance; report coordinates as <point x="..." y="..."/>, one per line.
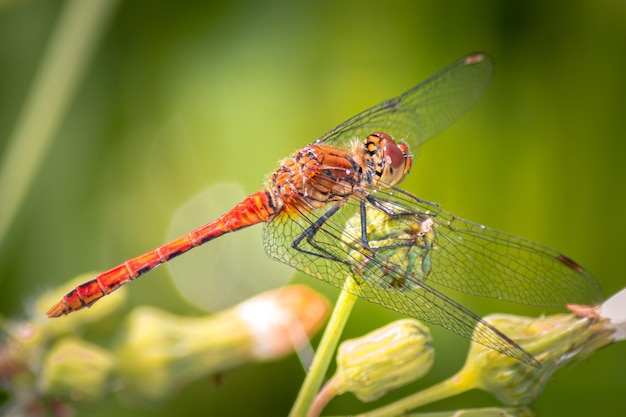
<point x="310" y="233"/>
<point x="360" y="240"/>
<point x="309" y="236"/>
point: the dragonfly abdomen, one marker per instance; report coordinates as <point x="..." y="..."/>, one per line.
<point x="256" y="208"/>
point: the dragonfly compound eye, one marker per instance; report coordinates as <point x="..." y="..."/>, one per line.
<point x="395" y="163"/>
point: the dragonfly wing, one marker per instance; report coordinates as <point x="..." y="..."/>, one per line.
<point x="425" y="110"/>
<point x="318" y="257"/>
<point x="428" y="304"/>
<point x="334" y="254"/>
<point x="477" y="260"/>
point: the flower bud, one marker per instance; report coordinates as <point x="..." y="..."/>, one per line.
<point x="161" y="351"/>
<point x="282" y="320"/>
<point x="553" y="341"/>
<point x="384" y="359"/>
<point x="76" y="369"/>
<point x="402" y="246"/>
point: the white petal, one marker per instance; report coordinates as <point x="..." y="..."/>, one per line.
<point x="615" y="309"/>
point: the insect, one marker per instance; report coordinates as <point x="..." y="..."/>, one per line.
<point x="319" y="205"/>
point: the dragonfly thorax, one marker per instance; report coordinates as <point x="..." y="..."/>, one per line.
<point x="385" y="162"/>
<point x="319" y="174"/>
<point x="315" y="176"/>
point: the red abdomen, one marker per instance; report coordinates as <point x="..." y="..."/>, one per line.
<point x="256" y="208"/>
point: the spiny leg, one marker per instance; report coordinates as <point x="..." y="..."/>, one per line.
<point x="311" y="231"/>
<point x="393" y="214"/>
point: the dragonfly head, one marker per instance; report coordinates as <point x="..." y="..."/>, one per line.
<point x="390" y="160"/>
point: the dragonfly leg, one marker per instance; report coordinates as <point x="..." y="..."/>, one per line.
<point x="309" y="236"/>
<point x="382" y="207"/>
<point x="418" y="231"/>
<point x="386" y="210"/>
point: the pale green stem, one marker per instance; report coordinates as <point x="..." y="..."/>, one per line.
<point x="329" y="391"/>
<point x="80" y="25"/>
<point x="325" y="350"/>
<point x="458" y="384"/>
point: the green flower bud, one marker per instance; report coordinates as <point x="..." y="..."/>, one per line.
<point x="403" y="242"/>
<point x="554" y="341"/>
<point x="161" y="352"/>
<point x="384" y="359"/>
<point x="76" y="369"/>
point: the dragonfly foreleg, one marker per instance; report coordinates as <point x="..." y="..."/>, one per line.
<point x="412" y="219"/>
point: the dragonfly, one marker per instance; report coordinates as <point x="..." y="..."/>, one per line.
<point x="319" y="205"/>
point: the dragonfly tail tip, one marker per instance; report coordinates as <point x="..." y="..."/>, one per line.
<point x="58" y="310"/>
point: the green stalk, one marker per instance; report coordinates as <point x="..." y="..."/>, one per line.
<point x="80" y="25"/>
<point x="325" y="350"/>
<point x="448" y="388"/>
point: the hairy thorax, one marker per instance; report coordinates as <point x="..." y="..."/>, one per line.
<point x="315" y="176"/>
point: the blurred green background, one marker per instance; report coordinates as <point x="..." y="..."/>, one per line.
<point x="180" y="95"/>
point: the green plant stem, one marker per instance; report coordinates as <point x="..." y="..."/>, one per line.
<point x="323" y="397"/>
<point x="80" y="25"/>
<point x="325" y="350"/>
<point x="455" y="385"/>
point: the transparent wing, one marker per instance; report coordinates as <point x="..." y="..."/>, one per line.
<point x="406" y="266"/>
<point x="425" y="110"/>
<point x="477" y="260"/>
<point x="332" y="256"/>
<point x="408" y="251"/>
